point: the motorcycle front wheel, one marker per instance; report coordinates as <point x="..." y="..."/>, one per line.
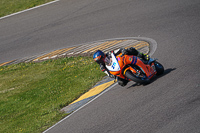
<point x="159" y="68"/>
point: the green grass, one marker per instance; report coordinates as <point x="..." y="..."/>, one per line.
<point x="32" y="94"/>
<point x="11" y="6"/>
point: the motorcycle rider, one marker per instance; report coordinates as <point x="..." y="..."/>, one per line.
<point x="99" y="57"/>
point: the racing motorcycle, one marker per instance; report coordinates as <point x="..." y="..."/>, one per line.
<point x="133" y="68"/>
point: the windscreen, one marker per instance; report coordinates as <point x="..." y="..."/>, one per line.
<point x="108" y="60"/>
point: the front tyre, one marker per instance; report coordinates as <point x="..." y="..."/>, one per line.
<point x="159" y="68"/>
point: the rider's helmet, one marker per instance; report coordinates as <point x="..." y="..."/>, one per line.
<point x="99" y="56"/>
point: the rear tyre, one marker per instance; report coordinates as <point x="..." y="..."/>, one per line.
<point x="159" y="68"/>
<point x="132" y="77"/>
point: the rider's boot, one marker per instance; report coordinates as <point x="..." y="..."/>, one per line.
<point x="122" y="82"/>
<point x="145" y="57"/>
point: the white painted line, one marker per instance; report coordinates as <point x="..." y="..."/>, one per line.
<point x="29" y="9"/>
<point x="81" y="107"/>
<point x="54" y="56"/>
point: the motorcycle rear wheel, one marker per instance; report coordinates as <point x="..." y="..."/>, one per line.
<point x="131" y="76"/>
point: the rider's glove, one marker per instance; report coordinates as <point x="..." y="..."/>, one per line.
<point x="112" y="76"/>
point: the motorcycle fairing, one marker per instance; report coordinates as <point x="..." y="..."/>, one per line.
<point x="117" y="64"/>
<point x="114" y="64"/>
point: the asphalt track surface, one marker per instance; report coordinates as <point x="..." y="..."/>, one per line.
<point x="171" y="103"/>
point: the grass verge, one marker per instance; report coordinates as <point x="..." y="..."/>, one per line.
<point x="11" y="6"/>
<point x="31" y="94"/>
